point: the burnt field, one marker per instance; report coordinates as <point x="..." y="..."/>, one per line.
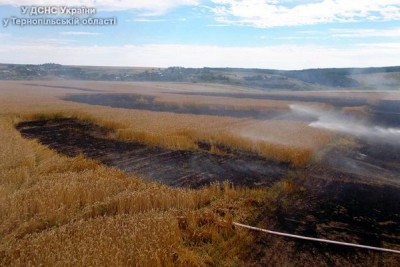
<point x="341" y="102"/>
<point x="384" y="112"/>
<point x="171" y="167"/>
<point x="145" y="102"/>
<point x="351" y="195"/>
<point x="346" y="188"/>
<point x="336" y="210"/>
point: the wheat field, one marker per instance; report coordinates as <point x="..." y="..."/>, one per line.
<point x="56" y="210"/>
<point x="61" y="211"/>
<point x="72" y="211"/>
<point x="291" y="142"/>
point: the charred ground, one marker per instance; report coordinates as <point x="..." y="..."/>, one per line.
<point x="384" y="112"/>
<point x="349" y="195"/>
<point x="172" y="167"/>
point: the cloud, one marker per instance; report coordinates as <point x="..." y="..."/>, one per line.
<point x="366" y="33"/>
<point x="380" y="47"/>
<point x="153" y="20"/>
<point x="272" y="13"/>
<point x="217" y="25"/>
<point x="345" y="33"/>
<point x="164" y="55"/>
<point x="4" y="35"/>
<point x="37" y="41"/>
<point x="145" y="20"/>
<point x="152" y="7"/>
<point x="80" y="33"/>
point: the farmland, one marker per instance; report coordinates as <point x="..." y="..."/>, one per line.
<point x="153" y="174"/>
<point x="264" y="79"/>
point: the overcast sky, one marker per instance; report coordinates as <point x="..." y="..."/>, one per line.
<point x="287" y="34"/>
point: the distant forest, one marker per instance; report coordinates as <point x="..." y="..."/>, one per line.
<point x="307" y="79"/>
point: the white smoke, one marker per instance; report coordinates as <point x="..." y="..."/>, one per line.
<point x="339" y="122"/>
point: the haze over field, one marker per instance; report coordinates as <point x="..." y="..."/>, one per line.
<point x="348" y="124"/>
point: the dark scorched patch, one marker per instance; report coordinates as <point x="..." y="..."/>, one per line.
<point x="172" y="167"/>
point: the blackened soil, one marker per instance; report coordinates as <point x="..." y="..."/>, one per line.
<point x="362" y="185"/>
<point x="144" y="102"/>
<point x="350" y="195"/>
<point x="337" y="210"/>
<point x="385" y="113"/>
<point x="62" y="87"/>
<point x="172" y="167"/>
<point x="336" y="101"/>
<point x="347" y="211"/>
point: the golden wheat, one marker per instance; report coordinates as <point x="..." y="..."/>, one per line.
<point x="56" y="210"/>
<point x="165" y="129"/>
<point x="62" y="211"/>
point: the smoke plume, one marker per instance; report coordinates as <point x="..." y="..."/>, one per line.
<point x="344" y="123"/>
